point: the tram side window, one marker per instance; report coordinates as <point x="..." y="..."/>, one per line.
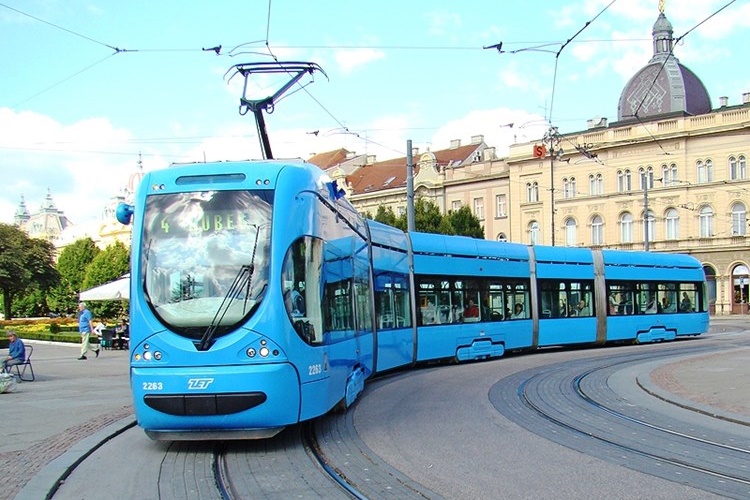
<point x="392" y="301"/>
<point x="463" y="299"/>
<point x="689" y="298"/>
<point x="668" y="297"/>
<point x="621" y="297"/>
<point x="566" y="298"/>
<point x="300" y="274"/>
<point x="517" y="301"/>
<point x="471" y="301"/>
<point x="338" y="306"/>
<point x="364" y="312"/>
<point x="648" y="302"/>
<point x="653" y="297"/>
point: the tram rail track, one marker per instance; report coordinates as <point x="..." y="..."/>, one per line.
<point x="576" y="397"/>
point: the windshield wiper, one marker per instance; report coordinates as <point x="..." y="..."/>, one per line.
<point x="242" y="282"/>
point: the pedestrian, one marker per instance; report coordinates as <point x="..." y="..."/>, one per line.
<point x="16" y="352"/>
<point x="85" y="328"/>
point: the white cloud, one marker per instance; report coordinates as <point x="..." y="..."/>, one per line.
<point x="352" y="59"/>
<point x="500" y="127"/>
<point x="443" y="23"/>
<point x="82" y="164"/>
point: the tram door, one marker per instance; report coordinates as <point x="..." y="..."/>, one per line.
<point x="740" y="286"/>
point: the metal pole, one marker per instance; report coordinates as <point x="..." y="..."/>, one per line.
<point x="552" y="188"/>
<point x="410" y="225"/>
<point x="645" y="212"/>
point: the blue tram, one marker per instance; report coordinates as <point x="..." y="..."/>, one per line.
<point x="260" y="298"/>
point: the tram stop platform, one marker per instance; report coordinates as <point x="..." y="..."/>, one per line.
<point x="54" y="421"/>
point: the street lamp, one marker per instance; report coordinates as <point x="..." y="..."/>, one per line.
<point x="552" y="136"/>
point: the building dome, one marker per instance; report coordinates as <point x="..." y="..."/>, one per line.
<point x="664" y="85"/>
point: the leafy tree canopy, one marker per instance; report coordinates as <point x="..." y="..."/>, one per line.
<point x="25" y="264"/>
<point x="72" y="264"/>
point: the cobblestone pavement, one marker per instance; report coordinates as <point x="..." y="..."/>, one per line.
<point x="71" y="400"/>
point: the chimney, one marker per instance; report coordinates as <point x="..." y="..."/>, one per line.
<point x="415" y="151"/>
<point x="746" y="98"/>
<point x="477" y="139"/>
<point x="723" y="101"/>
<point x="455" y="143"/>
<point x="488" y="154"/>
<point x="370" y="159"/>
<point x="597" y="122"/>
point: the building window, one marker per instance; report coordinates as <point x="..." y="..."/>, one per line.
<point x="649" y="226"/>
<point x="705" y="170"/>
<point x="739" y="219"/>
<point x="624" y="181"/>
<point x="534" y="233"/>
<point x="596" y="184"/>
<point x="737" y="168"/>
<point x="502" y="237"/>
<point x="479" y="208"/>
<point x="706" y="218"/>
<point x="456" y="205"/>
<point x="672" y="224"/>
<point x="626" y="228"/>
<point x="501" y="205"/>
<point x="597" y="230"/>
<point x="571" y="229"/>
<point x="646" y="176"/>
<point x="669" y="174"/>
<point x="569" y="187"/>
<point x="532" y="192"/>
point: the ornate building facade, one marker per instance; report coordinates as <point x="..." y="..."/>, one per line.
<point x="670" y="175"/>
<point x="51" y="224"/>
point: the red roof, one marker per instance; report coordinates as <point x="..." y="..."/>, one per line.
<point x="329" y="159"/>
<point x="391" y="174"/>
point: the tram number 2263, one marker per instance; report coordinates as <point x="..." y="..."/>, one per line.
<point x="314" y="369"/>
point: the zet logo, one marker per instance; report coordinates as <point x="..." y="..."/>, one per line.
<point x="197" y="384"/>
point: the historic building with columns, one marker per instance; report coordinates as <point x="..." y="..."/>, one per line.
<point x="670" y="175"/>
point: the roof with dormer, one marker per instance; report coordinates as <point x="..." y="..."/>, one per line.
<point x="391" y="173"/>
<point x="330" y="158"/>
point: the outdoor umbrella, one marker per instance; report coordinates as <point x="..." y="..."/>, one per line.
<point x="114" y="290"/>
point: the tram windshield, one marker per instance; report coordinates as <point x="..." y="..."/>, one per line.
<point x="205" y="258"/>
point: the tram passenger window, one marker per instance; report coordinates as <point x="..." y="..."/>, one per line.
<point x="686" y="305"/>
<point x="302" y="265"/>
<point x="429" y="312"/>
<point x="582" y="309"/>
<point x="471" y="312"/>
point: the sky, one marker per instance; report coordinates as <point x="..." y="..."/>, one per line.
<point x="90" y="87"/>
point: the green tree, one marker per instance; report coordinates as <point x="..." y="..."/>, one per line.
<point x="385" y="215"/>
<point x="463" y="222"/>
<point x="25" y="264"/>
<point x="427" y="217"/>
<point x="72" y="264"/>
<point x="108" y="265"/>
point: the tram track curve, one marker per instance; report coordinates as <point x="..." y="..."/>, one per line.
<point x="574" y="405"/>
<point x="160" y="470"/>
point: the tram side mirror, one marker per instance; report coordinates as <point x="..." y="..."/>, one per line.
<point x="124" y="213"/>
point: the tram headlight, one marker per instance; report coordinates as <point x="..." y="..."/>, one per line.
<point x="264" y="352"/>
<point x="157" y="355"/>
<point x="250" y="352"/>
<point x="147" y="356"/>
